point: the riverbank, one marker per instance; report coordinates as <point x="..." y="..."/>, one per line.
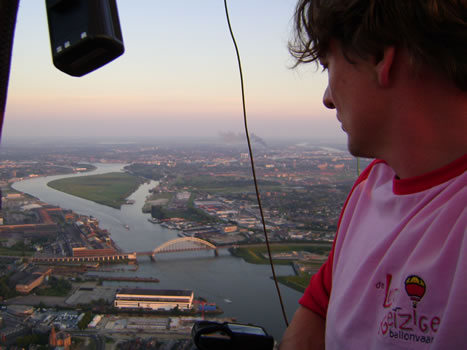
<point x="284" y="253"/>
<point x="305" y="258"/>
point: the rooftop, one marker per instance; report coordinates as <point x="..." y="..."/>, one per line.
<point x="141" y="291"/>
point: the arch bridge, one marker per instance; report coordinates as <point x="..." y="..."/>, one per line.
<point x="183" y="244"/>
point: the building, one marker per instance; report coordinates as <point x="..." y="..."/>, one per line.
<point x="30" y="230"/>
<point x="95" y="321"/>
<point x="81" y="252"/>
<point x="8" y="335"/>
<point x="230" y="229"/>
<point x="27" y="280"/>
<point x="59" y="339"/>
<point x="154" y="299"/>
<point x="14" y="196"/>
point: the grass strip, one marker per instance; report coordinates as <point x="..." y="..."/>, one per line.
<point x="298" y="283"/>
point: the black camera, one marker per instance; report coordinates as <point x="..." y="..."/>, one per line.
<point x="84" y="34"/>
<point x="230" y="336"/>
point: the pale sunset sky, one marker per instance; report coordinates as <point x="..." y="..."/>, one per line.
<point x="178" y="77"/>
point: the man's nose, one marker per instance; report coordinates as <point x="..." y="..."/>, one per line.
<point x="327" y="99"/>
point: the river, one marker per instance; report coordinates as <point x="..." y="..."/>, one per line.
<point x="244" y="291"/>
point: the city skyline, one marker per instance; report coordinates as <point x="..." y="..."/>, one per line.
<point x="178" y="77"/>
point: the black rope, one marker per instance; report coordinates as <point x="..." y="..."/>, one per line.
<point x="253" y="167"/>
<point x="8" y="12"/>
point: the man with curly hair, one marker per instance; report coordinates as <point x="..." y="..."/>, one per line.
<point x="396" y="276"/>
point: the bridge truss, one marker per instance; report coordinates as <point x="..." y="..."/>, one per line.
<point x="184" y="244"/>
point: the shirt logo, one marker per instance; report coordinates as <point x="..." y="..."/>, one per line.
<point x="402" y="323"/>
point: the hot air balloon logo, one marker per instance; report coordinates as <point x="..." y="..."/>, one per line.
<point x="415" y="288"/>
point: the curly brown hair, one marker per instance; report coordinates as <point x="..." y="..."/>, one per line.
<point x="433" y="31"/>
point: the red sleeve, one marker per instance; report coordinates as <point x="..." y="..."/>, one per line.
<point x="316" y="296"/>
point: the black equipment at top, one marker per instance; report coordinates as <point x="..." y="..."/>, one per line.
<point x="84" y="34"/>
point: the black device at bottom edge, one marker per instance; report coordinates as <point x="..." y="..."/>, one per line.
<point x="209" y="335"/>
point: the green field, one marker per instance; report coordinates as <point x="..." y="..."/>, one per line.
<point x="11" y="252"/>
<point x="298" y="283"/>
<point x="110" y="189"/>
<point x="19" y="249"/>
<point x="224" y="184"/>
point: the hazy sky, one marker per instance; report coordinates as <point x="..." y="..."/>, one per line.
<point x="178" y="77"/>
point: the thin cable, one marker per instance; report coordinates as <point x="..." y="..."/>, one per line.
<point x="253" y="167"/>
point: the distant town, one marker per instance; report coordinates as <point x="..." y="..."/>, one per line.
<point x="204" y="191"/>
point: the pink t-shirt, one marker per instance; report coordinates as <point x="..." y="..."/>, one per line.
<point x="397" y="275"/>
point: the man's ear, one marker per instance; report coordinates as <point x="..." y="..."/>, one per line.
<point x="384" y="65"/>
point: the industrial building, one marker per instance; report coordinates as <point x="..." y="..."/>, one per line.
<point x="84" y="252"/>
<point x="154" y="299"/>
<point x="25" y="281"/>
